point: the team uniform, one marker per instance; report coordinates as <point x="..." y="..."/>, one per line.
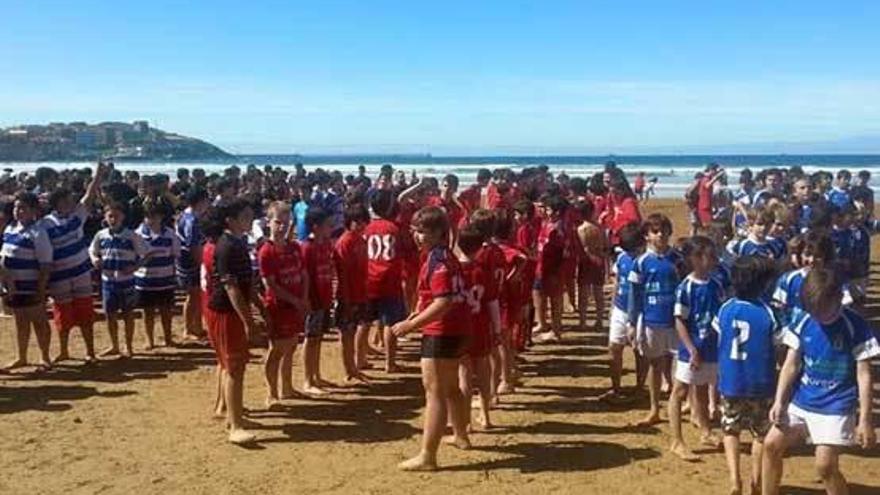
<point x="697" y="302"/>
<point x="787" y="294"/>
<point x="747" y="336"/>
<point x="475" y="279"/>
<point x="513" y="296"/>
<point x="654" y="280"/>
<point x="350" y="257"/>
<point x="26" y="249"/>
<point x="551" y="259"/>
<point x="206" y="283"/>
<point x="155" y="280"/>
<point x="284" y="263"/>
<point x="440" y="276"/>
<point x="118" y="252"/>
<point x="751" y="247"/>
<point x="825" y="398"/>
<point x="385" y="271"/>
<point x="860" y="261"/>
<point x="493" y="262"/>
<point x="70" y="282"/>
<point x="190" y="236"/>
<point x="839" y="198"/>
<point x="231" y="264"/>
<point x="743" y="198"/>
<point x="618" y="323"/>
<point x="318" y="256"/>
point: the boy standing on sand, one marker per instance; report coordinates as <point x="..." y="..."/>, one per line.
<point x="187" y="266"/>
<point x="318" y="256"/>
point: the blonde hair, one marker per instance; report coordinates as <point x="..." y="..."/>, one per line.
<point x="276" y="207"/>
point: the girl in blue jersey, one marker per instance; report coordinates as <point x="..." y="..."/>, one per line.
<point x="825" y="387"/>
<point x="117" y="252"/>
<point x="631" y="242"/>
<point x="653" y="279"/>
<point x="697" y="300"/>
<point x="747" y="336"/>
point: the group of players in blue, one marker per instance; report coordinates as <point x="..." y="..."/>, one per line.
<point x="764" y="330"/>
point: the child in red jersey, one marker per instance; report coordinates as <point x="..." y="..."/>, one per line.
<point x="385" y="272"/>
<point x="318" y="254"/>
<point x="491" y="258"/>
<point x="513" y="305"/>
<point x="212" y="230"/>
<point x="286" y="298"/>
<point x="475" y="370"/>
<point x="591" y="266"/>
<point x="450" y="204"/>
<point x="525" y="238"/>
<point x="549" y="282"/>
<point x="442" y="315"/>
<point x="350" y="256"/>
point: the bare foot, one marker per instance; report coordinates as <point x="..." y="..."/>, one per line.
<point x="462" y="443"/>
<point x="310" y="389"/>
<point x="505" y="388"/>
<point x="239" y="436"/>
<point x="737" y="490"/>
<point x="357" y="379"/>
<point x="273" y="404"/>
<point x="110" y="351"/>
<point x="61" y="358"/>
<point x="650" y="420"/>
<point x="218" y="415"/>
<point x="18" y="363"/>
<point x="149" y="347"/>
<point x="710" y="440"/>
<point x="683" y="452"/>
<point x="483" y="422"/>
<point x="322" y="383"/>
<point x="290" y="394"/>
<point x="418" y="463"/>
<point x="393" y="368"/>
<point x="43" y="366"/>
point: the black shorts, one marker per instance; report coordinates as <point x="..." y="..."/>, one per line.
<point x="155" y="298"/>
<point x="443" y="347"/>
<point x="22" y="300"/>
<point x="349" y="316"/>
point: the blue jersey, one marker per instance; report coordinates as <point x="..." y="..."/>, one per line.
<point x="751" y="247"/>
<point x="842" y="240"/>
<point x="69" y="245"/>
<point x="829" y="353"/>
<point x="697" y="302"/>
<point x="190" y="237"/>
<point x="839" y="198"/>
<point x="621" y="268"/>
<point x="778" y="246"/>
<point x="747" y="334"/>
<point x="26" y="250"/>
<point x="787" y="294"/>
<point x="803" y="215"/>
<point x="299" y="216"/>
<point x="118" y="253"/>
<point x="654" y="279"/>
<point x="722" y="275"/>
<point x="163" y="247"/>
<point x="860" y="251"/>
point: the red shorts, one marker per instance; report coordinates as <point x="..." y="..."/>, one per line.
<point x="480" y="342"/>
<point x="591" y="271"/>
<point x="78" y="312"/>
<point x="287" y="322"/>
<point x="226" y="331"/>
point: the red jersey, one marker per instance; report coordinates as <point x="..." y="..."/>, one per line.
<point x="471" y="198"/>
<point x="318" y="256"/>
<point x="551" y="248"/>
<point x="351" y="261"/>
<point x="496" y="199"/>
<point x="491" y="258"/>
<point x="284" y="263"/>
<point x="515" y="261"/>
<point x="384" y="260"/>
<point x="475" y="279"/>
<point x="453" y="211"/>
<point x="207" y="270"/>
<point x="440" y="276"/>
<point x="526" y="237"/>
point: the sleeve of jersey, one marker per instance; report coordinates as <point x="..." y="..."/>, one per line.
<point x="791" y="336"/>
<point x="634" y="302"/>
<point x="42" y="247"/>
<point x="441" y="283"/>
<point x="780" y="294"/>
<point x="265" y="263"/>
<point x="682" y="307"/>
<point x="865" y="345"/>
<point x="716" y="324"/>
<point x="221" y="262"/>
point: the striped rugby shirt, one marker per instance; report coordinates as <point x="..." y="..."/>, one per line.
<point x="25" y="249"/>
<point x="157" y="273"/>
<point x="190" y="236"/>
<point x="118" y="253"/>
<point x="70" y="258"/>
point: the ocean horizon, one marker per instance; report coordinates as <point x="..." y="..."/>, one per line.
<point x="673" y="172"/>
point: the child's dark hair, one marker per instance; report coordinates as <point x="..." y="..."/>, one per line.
<point x="232" y="209"/>
<point x="116" y="206"/>
<point x="503" y="224"/>
<point x="751" y="275"/>
<point x="819" y="245"/>
<point x="657" y="222"/>
<point x="584" y="209"/>
<point x="195" y="196"/>
<point x="556" y="204"/>
<point x="155" y="208"/>
<point x="822" y="287"/>
<point x="356" y="213"/>
<point x="698" y="245"/>
<point x="631" y="237"/>
<point x="484" y="220"/>
<point x="452" y="180"/>
<point x="470" y="239"/>
<point x="525" y="208"/>
<point x="315" y="216"/>
<point x="432" y="219"/>
<point x="382" y="203"/>
<point x="28" y="199"/>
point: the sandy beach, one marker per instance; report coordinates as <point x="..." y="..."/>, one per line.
<point x="144" y="426"/>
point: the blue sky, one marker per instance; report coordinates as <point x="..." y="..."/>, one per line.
<point x="451" y="77"/>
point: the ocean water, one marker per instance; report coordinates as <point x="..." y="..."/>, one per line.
<point x="673" y="172"/>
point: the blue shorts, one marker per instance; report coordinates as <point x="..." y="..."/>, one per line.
<point x="187" y="281"/>
<point x="317" y="322"/>
<point x="118" y="300"/>
<point x="387" y="311"/>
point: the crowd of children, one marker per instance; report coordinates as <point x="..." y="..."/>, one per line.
<point x="479" y="273"/>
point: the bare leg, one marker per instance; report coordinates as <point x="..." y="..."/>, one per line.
<point x="599" y="301"/>
<point x="776" y="443"/>
<point x="165" y="316"/>
<point x="757" y="455"/>
<point x="540" y="303"/>
<point x="361" y="346"/>
<point x="113" y="330"/>
<point x="310" y="363"/>
<point x="234" y="391"/>
<point x="655" y="372"/>
<point x="582" y="305"/>
<point x="678" y="447"/>
<point x="286" y="368"/>
<point x="616" y="351"/>
<point x="220" y="396"/>
<point x="390" y="351"/>
<point x="88" y="333"/>
<point x="22" y="338"/>
<point x="270" y="369"/>
<point x="63" y="345"/>
<point x="149" y="326"/>
<point x="128" y="319"/>
<point x="828" y="467"/>
<point x="731" y="453"/>
<point x="482" y="381"/>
